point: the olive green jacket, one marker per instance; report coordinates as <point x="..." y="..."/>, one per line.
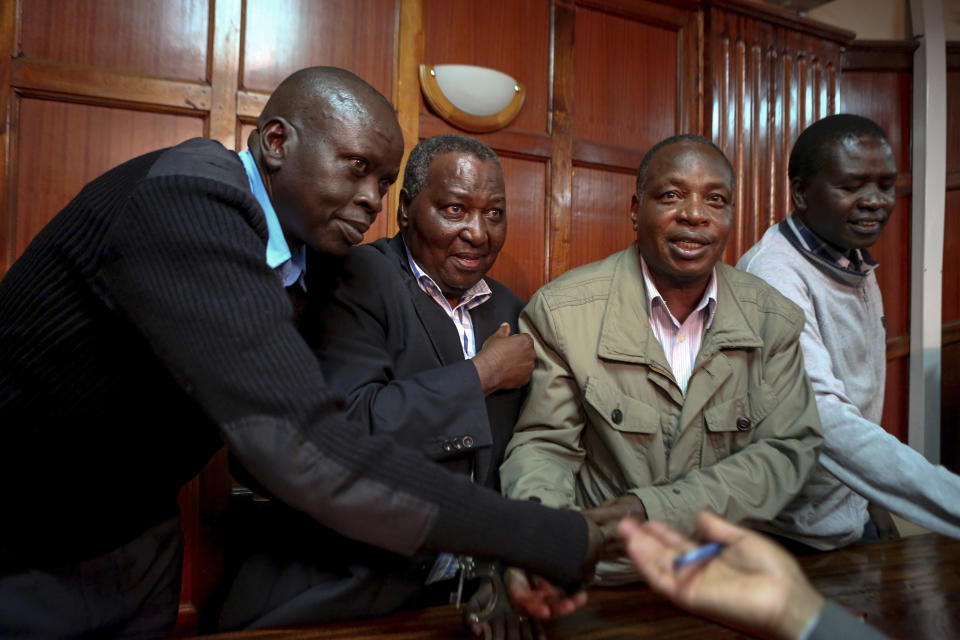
<point x="604" y="415"/>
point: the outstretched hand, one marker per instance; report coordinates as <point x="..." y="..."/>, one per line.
<point x="753" y="584"/>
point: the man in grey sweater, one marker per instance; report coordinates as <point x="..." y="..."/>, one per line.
<point x="842" y="177"/>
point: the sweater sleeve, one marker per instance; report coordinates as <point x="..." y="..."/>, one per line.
<point x="860" y="453"/>
<point x="185" y="266"/>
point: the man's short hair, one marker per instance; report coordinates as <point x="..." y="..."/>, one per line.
<point x="418" y="164"/>
<point x="809" y="153"/>
<point x="691" y="137"/>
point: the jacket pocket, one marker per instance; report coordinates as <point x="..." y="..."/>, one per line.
<point x="618" y="411"/>
<point x="730" y="425"/>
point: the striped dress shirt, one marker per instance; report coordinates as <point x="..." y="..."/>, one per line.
<point x="474" y="297"/>
<point x="680" y="342"/>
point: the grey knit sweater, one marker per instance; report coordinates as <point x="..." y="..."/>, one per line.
<point x="844" y="347"/>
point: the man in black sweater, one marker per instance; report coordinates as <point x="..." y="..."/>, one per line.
<point x="148" y="324"/>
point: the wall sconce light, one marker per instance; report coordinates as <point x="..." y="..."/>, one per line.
<point x="472" y="98"/>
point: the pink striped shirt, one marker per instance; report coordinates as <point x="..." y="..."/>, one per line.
<point x="680" y="342"/>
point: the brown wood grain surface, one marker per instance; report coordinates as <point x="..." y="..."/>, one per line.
<point x="908" y="588"/>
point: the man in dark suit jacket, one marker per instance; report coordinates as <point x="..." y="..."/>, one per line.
<point x="419" y="341"/>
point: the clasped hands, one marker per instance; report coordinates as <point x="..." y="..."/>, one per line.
<point x="534" y="598"/>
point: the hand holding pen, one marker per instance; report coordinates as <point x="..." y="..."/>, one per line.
<point x="740" y="577"/>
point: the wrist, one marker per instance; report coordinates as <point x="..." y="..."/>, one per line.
<point x="489" y="377"/>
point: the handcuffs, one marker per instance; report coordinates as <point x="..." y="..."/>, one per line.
<point x="499" y="602"/>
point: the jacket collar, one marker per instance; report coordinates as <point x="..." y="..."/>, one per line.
<point x="626" y="336"/>
<point x="437" y="325"/>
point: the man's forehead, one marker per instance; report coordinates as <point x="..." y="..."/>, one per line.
<point x="675" y="161"/>
<point x="452" y="166"/>
<point x="848" y="153"/>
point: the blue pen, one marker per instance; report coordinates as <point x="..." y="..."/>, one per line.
<point x="705" y="552"/>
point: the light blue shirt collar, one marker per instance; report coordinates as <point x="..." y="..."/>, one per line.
<point x="289" y="267"/>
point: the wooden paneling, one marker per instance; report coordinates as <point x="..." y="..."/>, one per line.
<point x="625" y="94"/>
<point x="767" y="78"/>
<point x="953" y="120"/>
<point x="166" y="38"/>
<point x="282" y="36"/>
<point x="884" y="97"/>
<point x="70" y="144"/>
<point x="561" y="175"/>
<point x="521" y="265"/>
<point x="892" y="251"/>
<point x="894" y="418"/>
<point x="512" y="36"/>
<point x="951" y="257"/>
<point x="601" y="214"/>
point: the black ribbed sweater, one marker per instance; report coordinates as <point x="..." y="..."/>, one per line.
<point x="142" y="329"/>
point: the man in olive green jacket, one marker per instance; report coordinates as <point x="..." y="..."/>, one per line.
<point x="666" y="383"/>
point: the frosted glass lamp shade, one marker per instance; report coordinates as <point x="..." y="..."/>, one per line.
<point x="472" y="98"/>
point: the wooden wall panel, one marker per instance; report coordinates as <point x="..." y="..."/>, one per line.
<point x="892" y="251"/>
<point x="601" y="214"/>
<point x="953" y="117"/>
<point x="521" y="265"/>
<point x="70" y="144"/>
<point x="282" y="36"/>
<point x="512" y="36"/>
<point x="885" y="97"/>
<point x="166" y="38"/>
<point x="625" y="80"/>
<point x="951" y="258"/>
<point x="894" y="418"/>
<point x="767" y="77"/>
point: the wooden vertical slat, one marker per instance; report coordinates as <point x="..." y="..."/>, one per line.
<point x="224" y="67"/>
<point x="406" y="90"/>
<point x="768" y="75"/>
<point x="9" y="49"/>
<point x="561" y="129"/>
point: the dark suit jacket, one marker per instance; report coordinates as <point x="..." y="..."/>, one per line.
<point x="396" y="355"/>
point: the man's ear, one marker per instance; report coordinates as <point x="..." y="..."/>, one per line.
<point x="634" y="208"/>
<point x="798" y="193"/>
<point x="275" y="139"/>
<point x="403" y="209"/>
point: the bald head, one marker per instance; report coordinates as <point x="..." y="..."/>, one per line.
<point x="308" y="96"/>
<point x="328" y="146"/>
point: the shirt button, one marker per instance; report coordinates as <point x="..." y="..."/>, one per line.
<point x="467" y="442"/>
<point x="743" y="423"/>
<point x="616" y="416"/>
<point x="682" y="338"/>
